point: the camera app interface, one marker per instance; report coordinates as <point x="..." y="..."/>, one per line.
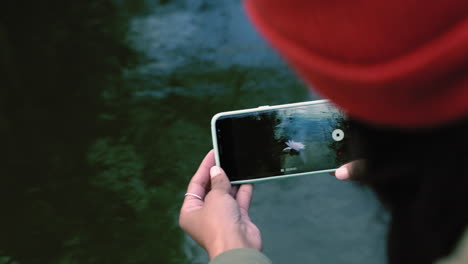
<point x="282" y="141"/>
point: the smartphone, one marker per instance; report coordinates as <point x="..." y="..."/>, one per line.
<point x="273" y="142"/>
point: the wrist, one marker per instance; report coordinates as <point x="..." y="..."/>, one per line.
<point x="227" y="243"/>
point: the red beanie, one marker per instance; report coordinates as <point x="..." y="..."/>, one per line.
<point x="394" y="62"/>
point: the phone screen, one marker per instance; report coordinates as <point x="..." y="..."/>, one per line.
<point x="289" y="140"/>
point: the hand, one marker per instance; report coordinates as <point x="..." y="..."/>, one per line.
<point x="220" y="221"/>
<point x="350" y="171"/>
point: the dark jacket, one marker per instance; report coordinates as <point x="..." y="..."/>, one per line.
<point x="252" y="256"/>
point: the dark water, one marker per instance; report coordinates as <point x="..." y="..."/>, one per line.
<point x="104" y="116"/>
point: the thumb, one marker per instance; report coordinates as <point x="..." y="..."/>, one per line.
<point x="219" y="180"/>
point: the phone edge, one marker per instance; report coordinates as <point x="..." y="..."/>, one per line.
<point x="279" y="177"/>
<point x="260" y="109"/>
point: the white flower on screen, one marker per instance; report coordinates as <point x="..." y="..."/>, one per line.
<point x="293" y="145"/>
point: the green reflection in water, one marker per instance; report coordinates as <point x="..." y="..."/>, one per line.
<point x="92" y="172"/>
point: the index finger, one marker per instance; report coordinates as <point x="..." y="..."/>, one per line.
<point x="243" y="197"/>
<point x="200" y="181"/>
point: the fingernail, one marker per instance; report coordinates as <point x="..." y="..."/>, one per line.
<point x="342" y="173"/>
<point x="215" y="171"/>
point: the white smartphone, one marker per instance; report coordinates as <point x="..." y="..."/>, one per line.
<point x="273" y="142"/>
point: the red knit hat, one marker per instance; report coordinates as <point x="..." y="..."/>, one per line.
<point x="399" y="63"/>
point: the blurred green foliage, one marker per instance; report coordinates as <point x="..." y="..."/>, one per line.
<point x="72" y="187"/>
